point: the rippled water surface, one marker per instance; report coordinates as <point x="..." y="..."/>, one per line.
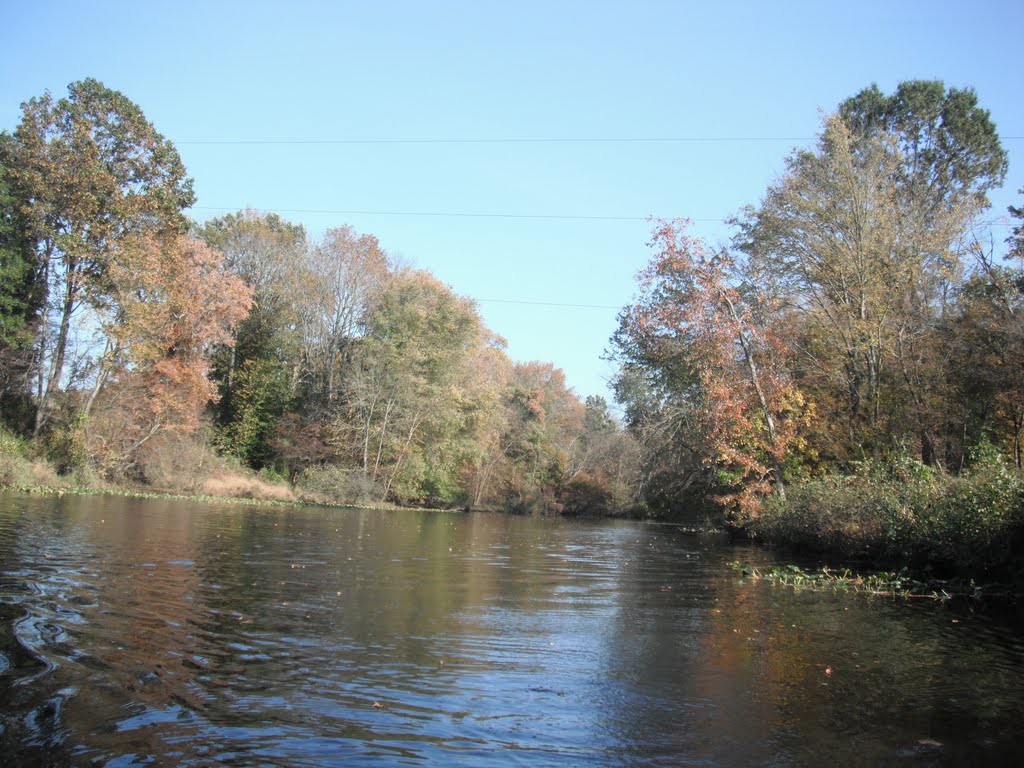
<point x="171" y="633"/>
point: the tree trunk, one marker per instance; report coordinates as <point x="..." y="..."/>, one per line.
<point x="59" y="353"/>
<point x="755" y="379"/>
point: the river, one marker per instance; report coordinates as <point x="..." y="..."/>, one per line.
<point x="142" y="632"/>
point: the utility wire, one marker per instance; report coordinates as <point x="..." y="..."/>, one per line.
<point x="451" y="214"/>
<point x="547" y="304"/>
<point x="469" y="215"/>
<point x="549" y="140"/>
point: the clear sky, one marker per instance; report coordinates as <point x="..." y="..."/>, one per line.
<point x="546" y="235"/>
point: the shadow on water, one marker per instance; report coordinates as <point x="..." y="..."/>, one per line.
<point x="168" y="633"/>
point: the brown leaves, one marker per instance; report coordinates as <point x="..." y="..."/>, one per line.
<point x="693" y="318"/>
<point x="175" y="302"/>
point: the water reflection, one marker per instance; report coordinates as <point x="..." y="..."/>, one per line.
<point x="165" y="633"/>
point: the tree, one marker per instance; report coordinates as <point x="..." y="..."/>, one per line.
<point x="544" y="425"/>
<point x="871" y="265"/>
<point x="986" y="340"/>
<point x="409" y="395"/>
<point x="949" y="143"/>
<point x="712" y="341"/>
<point x="16" y="281"/>
<point x="86" y="171"/>
<point x="19" y="301"/>
<point x="348" y="273"/>
<point x="603" y="475"/>
<point x="175" y="303"/>
<point x="268" y="254"/>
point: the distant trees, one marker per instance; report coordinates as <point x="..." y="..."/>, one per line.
<point x="134" y="343"/>
<point x="410" y="387"/>
<point x="361" y="380"/>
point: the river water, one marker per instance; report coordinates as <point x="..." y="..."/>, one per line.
<point x="160" y="633"/>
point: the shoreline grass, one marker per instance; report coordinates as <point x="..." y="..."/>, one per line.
<point x="35" y="489"/>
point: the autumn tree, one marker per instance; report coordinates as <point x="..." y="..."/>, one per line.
<point x="176" y="303"/>
<point x="604" y="464"/>
<point x="723" y="366"/>
<point x="542" y="428"/>
<point x="986" y="343"/>
<point x="846" y="241"/>
<point x="86" y="171"/>
<point x="488" y="419"/>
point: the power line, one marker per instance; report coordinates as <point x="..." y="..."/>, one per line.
<point x="547" y="304"/>
<point x="449" y="214"/>
<point x="476" y="215"/>
<point x="551" y="140"/>
<point x="511" y="140"/>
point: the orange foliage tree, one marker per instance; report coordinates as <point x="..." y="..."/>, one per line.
<point x="693" y="315"/>
<point x="175" y="301"/>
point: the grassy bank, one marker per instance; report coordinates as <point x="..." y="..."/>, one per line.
<point x="24" y="469"/>
<point x="903" y="515"/>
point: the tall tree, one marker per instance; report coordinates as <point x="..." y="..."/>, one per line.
<point x="15" y="262"/>
<point x="409" y="394"/>
<point x="987" y="344"/>
<point x="870" y="264"/>
<point x="259" y="372"/>
<point x="86" y="171"/>
<point x="19" y="302"/>
<point x="949" y="144"/>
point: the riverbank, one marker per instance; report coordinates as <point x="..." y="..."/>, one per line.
<point x="905" y="517"/>
<point x="221" y="482"/>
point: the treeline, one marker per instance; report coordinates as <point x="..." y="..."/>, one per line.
<point x="138" y="346"/>
<point x="864" y="315"/>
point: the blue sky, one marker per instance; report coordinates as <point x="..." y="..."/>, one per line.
<point x="752" y="77"/>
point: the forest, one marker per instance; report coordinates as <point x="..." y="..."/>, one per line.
<point x="847" y="373"/>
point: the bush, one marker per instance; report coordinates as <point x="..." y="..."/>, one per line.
<point x="244" y="486"/>
<point x="177" y="461"/>
<point x="65" y="445"/>
<point x="587" y="495"/>
<point x="901" y="515"/>
<point x="15" y="468"/>
<point x="333" y="484"/>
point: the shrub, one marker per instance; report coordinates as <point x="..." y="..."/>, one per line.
<point x="587" y="495"/>
<point x="901" y="515"/>
<point x="178" y="461"/>
<point x="15" y="468"/>
<point x="334" y="484"/>
<point x="65" y="445"/>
